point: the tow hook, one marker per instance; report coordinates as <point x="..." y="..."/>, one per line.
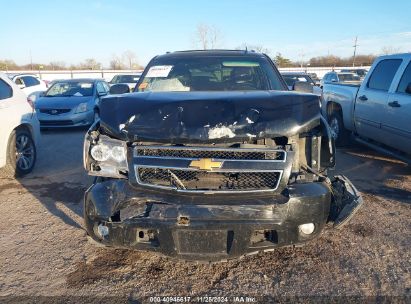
<point x="346" y="201"/>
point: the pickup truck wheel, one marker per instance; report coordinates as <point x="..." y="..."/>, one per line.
<point x="21" y="154"/>
<point x="338" y="131"/>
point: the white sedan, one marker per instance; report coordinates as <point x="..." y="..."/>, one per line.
<point x="19" y="130"/>
<point x="28" y="83"/>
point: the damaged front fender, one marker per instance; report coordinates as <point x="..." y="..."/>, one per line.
<point x="346" y="201"/>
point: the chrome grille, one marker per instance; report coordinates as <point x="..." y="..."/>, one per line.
<point x="241" y="170"/>
<point x="195" y="180"/>
<point x="215" y="153"/>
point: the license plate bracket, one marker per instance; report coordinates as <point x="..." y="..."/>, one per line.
<point x="201" y="241"/>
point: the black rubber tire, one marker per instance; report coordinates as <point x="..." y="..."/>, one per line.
<point x="11" y="169"/>
<point x="342" y="135"/>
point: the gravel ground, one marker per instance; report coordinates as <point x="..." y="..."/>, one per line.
<point x="45" y="253"/>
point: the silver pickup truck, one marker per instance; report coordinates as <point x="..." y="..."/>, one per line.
<point x="377" y="112"/>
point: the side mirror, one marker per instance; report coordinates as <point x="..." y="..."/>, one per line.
<point x="120" y="88"/>
<point x="21" y="86"/>
<point x="333" y="80"/>
<point x="408" y="89"/>
<point x="42" y="94"/>
<point x="302" y="86"/>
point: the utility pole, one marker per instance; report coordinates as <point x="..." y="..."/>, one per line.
<point x="355" y="50"/>
<point x="31" y="61"/>
<point x="301" y="54"/>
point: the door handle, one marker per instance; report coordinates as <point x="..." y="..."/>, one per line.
<point x="394" y="104"/>
<point x="363" y="98"/>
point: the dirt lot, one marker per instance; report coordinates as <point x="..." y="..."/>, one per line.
<point x="44" y="250"/>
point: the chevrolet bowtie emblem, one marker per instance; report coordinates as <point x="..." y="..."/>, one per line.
<point x="205" y="164"/>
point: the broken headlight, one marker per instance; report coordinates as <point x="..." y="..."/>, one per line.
<point x="108" y="157"/>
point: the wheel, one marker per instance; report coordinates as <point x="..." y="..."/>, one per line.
<point x="21" y="154"/>
<point x="340" y="134"/>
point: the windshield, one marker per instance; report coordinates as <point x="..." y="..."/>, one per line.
<point x="210" y="74"/>
<point x="292" y="79"/>
<point x="125" y="79"/>
<point x="70" y="88"/>
<point x="348" y="77"/>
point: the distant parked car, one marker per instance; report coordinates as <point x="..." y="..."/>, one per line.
<point x="129" y="79"/>
<point x="292" y="77"/>
<point x="29" y="83"/>
<point x="71" y="103"/>
<point x="19" y="131"/>
<point x="350" y="78"/>
<point x="360" y="72"/>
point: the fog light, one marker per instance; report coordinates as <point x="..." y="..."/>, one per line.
<point x="307" y="228"/>
<point x="102" y="231"/>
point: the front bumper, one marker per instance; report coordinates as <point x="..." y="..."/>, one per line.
<point x="204" y="227"/>
<point x="66" y="120"/>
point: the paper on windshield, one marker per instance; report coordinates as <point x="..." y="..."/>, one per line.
<point x="159" y="71"/>
<point x="171" y="85"/>
<point x="86" y="85"/>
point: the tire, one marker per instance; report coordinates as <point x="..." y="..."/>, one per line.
<point x="340" y="134"/>
<point x="21" y="154"/>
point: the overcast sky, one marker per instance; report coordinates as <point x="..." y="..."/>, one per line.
<point x="70" y="31"/>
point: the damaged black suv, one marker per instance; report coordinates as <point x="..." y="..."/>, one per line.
<point x="212" y="158"/>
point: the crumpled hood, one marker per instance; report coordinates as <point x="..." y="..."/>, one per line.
<point x="208" y="117"/>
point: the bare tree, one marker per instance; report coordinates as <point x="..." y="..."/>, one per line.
<point x="387" y="50"/>
<point x="207" y="37"/>
<point x="130" y="59"/>
<point x="254" y="47"/>
<point x="116" y="63"/>
<point x="8" y="64"/>
<point x="90" y="64"/>
<point x="332" y="60"/>
<point x="57" y="65"/>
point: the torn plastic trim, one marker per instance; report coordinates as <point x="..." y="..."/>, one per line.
<point x="328" y="149"/>
<point x="346" y="201"/>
